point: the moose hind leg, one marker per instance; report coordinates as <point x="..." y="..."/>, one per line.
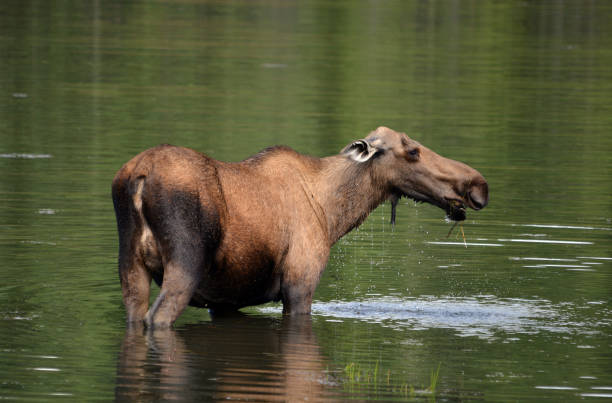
<point x="187" y="234"/>
<point x="135" y="286"/>
<point x="134" y="276"/>
<point x="178" y="286"/>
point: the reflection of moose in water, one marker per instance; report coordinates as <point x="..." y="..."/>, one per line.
<point x="249" y="358"/>
<point x="228" y="235"/>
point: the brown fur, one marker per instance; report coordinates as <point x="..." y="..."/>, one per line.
<point x="228" y="235"/>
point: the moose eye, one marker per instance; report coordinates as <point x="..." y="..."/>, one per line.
<point x="414" y="153"/>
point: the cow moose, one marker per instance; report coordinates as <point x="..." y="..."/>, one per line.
<point x="223" y="235"/>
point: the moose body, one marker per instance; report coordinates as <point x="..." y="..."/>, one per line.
<point x="228" y="235"/>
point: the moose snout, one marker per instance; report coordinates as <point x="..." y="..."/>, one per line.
<point x="478" y="194"/>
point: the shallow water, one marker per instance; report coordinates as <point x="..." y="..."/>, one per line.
<point x="519" y="310"/>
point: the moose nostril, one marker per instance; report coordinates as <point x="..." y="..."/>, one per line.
<point x="476" y="203"/>
<point x="479" y="196"/>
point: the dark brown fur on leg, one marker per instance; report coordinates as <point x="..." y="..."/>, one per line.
<point x="176" y="292"/>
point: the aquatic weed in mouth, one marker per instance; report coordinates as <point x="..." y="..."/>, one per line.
<point x="457" y="206"/>
<point x="460" y="227"/>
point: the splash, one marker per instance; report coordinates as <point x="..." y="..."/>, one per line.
<point x="486" y="317"/>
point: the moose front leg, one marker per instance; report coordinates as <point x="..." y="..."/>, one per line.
<point x="297" y="299"/>
<point x="300" y="280"/>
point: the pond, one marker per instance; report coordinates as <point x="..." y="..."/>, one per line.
<point x="521" y="309"/>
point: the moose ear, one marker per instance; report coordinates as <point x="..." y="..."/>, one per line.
<point x="360" y="151"/>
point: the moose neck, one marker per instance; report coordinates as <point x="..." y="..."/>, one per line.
<point x="347" y="192"/>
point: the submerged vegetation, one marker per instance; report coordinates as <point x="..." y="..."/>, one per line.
<point x="379" y="381"/>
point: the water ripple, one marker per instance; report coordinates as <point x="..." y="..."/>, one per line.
<point x="481" y="316"/>
<point x="27" y="156"/>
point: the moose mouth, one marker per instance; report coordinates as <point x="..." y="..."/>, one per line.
<point x="455" y="209"/>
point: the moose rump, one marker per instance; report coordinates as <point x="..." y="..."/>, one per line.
<point x="228" y="235"/>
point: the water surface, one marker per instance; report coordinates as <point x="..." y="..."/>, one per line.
<point x="519" y="310"/>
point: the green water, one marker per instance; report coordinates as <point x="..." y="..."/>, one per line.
<point x="518" y="90"/>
